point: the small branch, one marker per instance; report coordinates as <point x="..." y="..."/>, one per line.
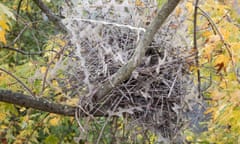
<point x="24" y="52"/>
<point x="125" y="72"/>
<point x="196" y="48"/>
<point x="40" y="104"/>
<point x="18" y="8"/>
<point x="36" y="103"/>
<point x="48" y="66"/>
<point x="51" y="16"/>
<point x="109" y="23"/>
<point x="30" y="92"/>
<point x="173" y="84"/>
<point x="21" y="32"/>
<point x="219" y="34"/>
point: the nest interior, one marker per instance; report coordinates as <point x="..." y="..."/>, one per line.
<point x="104" y="37"/>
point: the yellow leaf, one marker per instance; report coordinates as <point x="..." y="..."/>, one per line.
<point x="223" y="84"/>
<point x="189" y="7"/>
<point x="2" y="37"/>
<point x="54" y="121"/>
<point x="235" y="97"/>
<point x="5" y="13"/>
<point x="43" y="69"/>
<point x="178" y="12"/>
<point x="2" y="116"/>
<point x="22" y="109"/>
<point x="73" y="101"/>
<point x="3" y="127"/>
<point x="208" y="49"/>
<point x="3" y="23"/>
<point x="225" y="33"/>
<point x="206" y="34"/>
<point x="235" y="47"/>
<point x="221" y="62"/>
<point x="189" y="138"/>
<point x="139" y="3"/>
<point x="213" y="39"/>
<point x="216" y="95"/>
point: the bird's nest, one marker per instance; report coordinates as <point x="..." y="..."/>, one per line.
<point x="104" y="38"/>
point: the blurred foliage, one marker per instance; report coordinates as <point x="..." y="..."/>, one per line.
<point x="24" y="28"/>
<point x="219" y="46"/>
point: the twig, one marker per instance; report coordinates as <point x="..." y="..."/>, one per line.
<point x="116" y="103"/>
<point x="217" y="22"/>
<point x="30" y="92"/>
<point x="26" y="53"/>
<point x="18" y="8"/>
<point x="170" y="91"/>
<point x="196" y="48"/>
<point x="20" y="33"/>
<point x="45" y="75"/>
<point x="109" y="23"/>
<point x="35" y="127"/>
<point x="78" y="120"/>
<point x="219" y="33"/>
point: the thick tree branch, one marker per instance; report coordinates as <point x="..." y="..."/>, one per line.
<point x="125" y="72"/>
<point x="51" y="16"/>
<point x="39" y="103"/>
<point x="36" y="103"/>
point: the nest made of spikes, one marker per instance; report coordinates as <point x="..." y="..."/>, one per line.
<point x="104" y="37"/>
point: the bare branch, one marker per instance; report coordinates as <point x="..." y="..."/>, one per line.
<point x="39" y="103"/>
<point x="196" y="48"/>
<point x="36" y="103"/>
<point x="25" y="52"/>
<point x="12" y="75"/>
<point x="125" y="72"/>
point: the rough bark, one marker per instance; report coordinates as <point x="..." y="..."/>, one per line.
<point x="36" y="103"/>
<point x="42" y="104"/>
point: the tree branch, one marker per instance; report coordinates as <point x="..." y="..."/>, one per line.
<point x="40" y="104"/>
<point x="125" y="72"/>
<point x="51" y="16"/>
<point x="18" y="80"/>
<point x="196" y="48"/>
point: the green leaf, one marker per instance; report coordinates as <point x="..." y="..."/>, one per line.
<point x="51" y="139"/>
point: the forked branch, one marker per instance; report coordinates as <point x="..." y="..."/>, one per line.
<point x="125" y="72"/>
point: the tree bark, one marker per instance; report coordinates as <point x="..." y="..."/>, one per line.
<point x="35" y="103"/>
<point x="42" y="104"/>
